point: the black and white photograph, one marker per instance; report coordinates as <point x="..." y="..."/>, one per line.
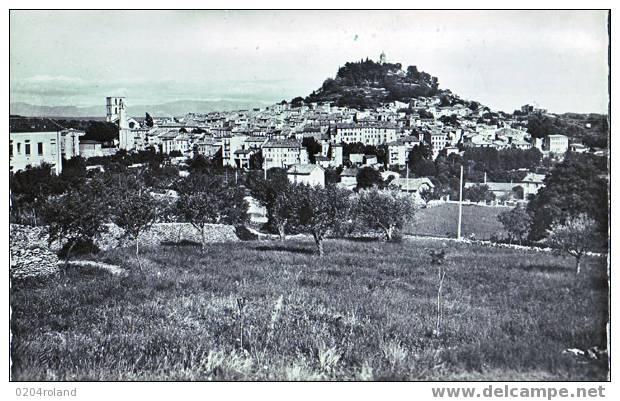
<point x="310" y="195"/>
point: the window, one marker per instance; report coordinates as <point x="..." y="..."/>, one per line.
<point x="40" y="148"/>
<point x="19" y="148"/>
<point x="27" y="149"/>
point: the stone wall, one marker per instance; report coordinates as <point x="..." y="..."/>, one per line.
<point x="112" y="235"/>
<point x="30" y="255"/>
<point x="171" y="233"/>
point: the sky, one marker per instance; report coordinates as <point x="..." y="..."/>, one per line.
<point x="557" y="60"/>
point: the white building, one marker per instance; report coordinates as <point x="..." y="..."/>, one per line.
<point x="532" y="183"/>
<point x="398" y="151"/>
<point x="283" y="153"/>
<point x="368" y="133"/>
<point x="309" y="174"/>
<point x="70" y="143"/>
<point x="31" y="149"/>
<point x="348" y="178"/>
<point x="438" y="140"/>
<point x="90" y="149"/>
<point x="556" y="144"/>
<point x="413" y="186"/>
<point x="231" y="144"/>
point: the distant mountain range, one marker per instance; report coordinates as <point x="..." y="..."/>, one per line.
<point x="170" y="109"/>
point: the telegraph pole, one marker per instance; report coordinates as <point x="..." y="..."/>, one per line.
<point x="407" y="179"/>
<point x="458" y="231"/>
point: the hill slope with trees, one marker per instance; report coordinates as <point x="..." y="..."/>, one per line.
<point x="366" y="84"/>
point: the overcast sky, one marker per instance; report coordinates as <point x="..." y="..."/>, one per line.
<point x="504" y="59"/>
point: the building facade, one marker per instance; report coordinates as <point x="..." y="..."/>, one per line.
<point x="367" y="133"/>
<point x="309" y="174"/>
<point x="283" y="153"/>
<point x="31" y="149"/>
<point x="556" y="144"/>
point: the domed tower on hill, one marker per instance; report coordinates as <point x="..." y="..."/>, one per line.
<point x="382" y="58"/>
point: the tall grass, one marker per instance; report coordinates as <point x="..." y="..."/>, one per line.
<point x="366" y="311"/>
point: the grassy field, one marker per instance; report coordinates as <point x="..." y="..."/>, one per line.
<point x="275" y="311"/>
<point x="441" y="221"/>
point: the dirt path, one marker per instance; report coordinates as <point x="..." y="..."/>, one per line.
<point x="112" y="269"/>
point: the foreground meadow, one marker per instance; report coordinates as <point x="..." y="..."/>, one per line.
<point x="275" y="311"/>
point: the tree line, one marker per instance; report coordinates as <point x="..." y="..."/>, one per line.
<point x="76" y="205"/>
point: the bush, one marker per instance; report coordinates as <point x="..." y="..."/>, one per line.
<point x="80" y="247"/>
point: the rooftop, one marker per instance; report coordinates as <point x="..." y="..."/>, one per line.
<point x="282" y="143"/>
<point x="303" y="169"/>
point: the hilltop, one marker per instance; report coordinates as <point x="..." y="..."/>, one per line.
<point x="367" y="84"/>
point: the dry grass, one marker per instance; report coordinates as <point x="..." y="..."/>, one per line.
<point x="366" y="311"/>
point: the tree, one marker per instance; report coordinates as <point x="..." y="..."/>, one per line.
<point x="148" y="120"/>
<point x="516" y="222"/>
<point x="73" y="171"/>
<point x="312" y="147"/>
<point x="318" y="210"/>
<point x="353" y="147"/>
<point x="135" y="212"/>
<point x="576" y="185"/>
<point x="275" y="194"/>
<point x="200" y="164"/>
<point x="77" y="215"/>
<point x="368" y="177"/>
<point x="332" y="175"/>
<point x="297" y="102"/>
<point x="423" y="168"/>
<point x="418" y="153"/>
<point x="207" y="199"/>
<point x="387" y="210"/>
<point x="100" y="131"/>
<point x="478" y="193"/>
<point x="256" y="160"/>
<point x="575" y="236"/>
<point x="452" y="120"/>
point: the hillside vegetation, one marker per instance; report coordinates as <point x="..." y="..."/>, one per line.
<point x="367" y="84"/>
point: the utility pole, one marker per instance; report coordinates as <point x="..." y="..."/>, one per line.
<point x="407" y="179"/>
<point x="458" y="231"/>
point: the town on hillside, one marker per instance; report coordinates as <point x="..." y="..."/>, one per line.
<point x="330" y="141"/>
<point x="171" y="218"/>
